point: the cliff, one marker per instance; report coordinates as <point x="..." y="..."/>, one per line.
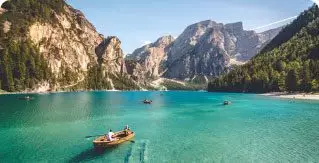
<point x="70" y="53"/>
<point x="148" y="60"/>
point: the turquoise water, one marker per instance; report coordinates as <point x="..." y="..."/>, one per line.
<point x="177" y="127"/>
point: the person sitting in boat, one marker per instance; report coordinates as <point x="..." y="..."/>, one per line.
<point x="109" y="135"/>
<point x="126" y="127"/>
<point x="127" y="130"/>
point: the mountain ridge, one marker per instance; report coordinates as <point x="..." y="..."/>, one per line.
<point x="186" y="56"/>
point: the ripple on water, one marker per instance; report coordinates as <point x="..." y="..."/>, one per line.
<point x="178" y="127"/>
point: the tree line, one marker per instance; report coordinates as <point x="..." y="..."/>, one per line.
<point x="21" y="66"/>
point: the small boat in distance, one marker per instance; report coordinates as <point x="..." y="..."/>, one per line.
<point x="119" y="137"/>
<point x="227" y="102"/>
<point x="25" y="98"/>
<point x="147" y="101"/>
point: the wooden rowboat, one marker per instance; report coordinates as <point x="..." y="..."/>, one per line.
<point x="147" y="101"/>
<point x="227" y="102"/>
<point x="27" y="98"/>
<point x="119" y="137"/>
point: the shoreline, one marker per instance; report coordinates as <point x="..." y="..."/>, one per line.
<point x="284" y="95"/>
<point x="53" y="92"/>
<point x="299" y="96"/>
<point x="56" y="92"/>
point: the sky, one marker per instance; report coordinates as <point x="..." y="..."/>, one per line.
<point x="137" y="22"/>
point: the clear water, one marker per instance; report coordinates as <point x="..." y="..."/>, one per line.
<point x="177" y="127"/>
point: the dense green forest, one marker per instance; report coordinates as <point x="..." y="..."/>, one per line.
<point x="21" y="65"/>
<point x="97" y="79"/>
<point x="290" y="62"/>
<point x="171" y="85"/>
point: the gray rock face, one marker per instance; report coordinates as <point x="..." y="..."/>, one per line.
<point x="110" y="55"/>
<point x="73" y="43"/>
<point x="204" y="49"/>
<point x="199" y="50"/>
<point x="149" y="59"/>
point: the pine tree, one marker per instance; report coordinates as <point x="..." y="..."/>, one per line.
<point x="306" y="78"/>
<point x="8" y="77"/>
<point x="315" y="85"/>
<point x="292" y="80"/>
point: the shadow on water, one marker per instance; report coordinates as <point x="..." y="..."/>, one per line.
<point x="94" y="153"/>
<point x="90" y="154"/>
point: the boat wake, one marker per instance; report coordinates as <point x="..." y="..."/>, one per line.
<point x="129" y="154"/>
<point x="137" y="152"/>
<point x="143" y="152"/>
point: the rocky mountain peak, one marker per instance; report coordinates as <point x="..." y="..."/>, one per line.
<point x="235" y="27"/>
<point x="149" y="59"/>
<point x="206" y="48"/>
<point x="197" y="30"/>
<point x="204" y="24"/>
<point x="164" y="41"/>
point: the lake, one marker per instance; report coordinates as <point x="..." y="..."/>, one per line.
<point x="177" y="127"/>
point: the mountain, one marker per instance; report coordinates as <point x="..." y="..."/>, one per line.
<point x="48" y="45"/>
<point x="208" y="48"/>
<point x="205" y="49"/>
<point x="290" y="62"/>
<point x="147" y="62"/>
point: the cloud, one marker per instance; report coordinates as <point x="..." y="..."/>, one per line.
<point x="316" y="2"/>
<point x="276" y="22"/>
<point x="146" y="42"/>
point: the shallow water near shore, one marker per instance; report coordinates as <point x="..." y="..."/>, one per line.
<point x="177" y="127"/>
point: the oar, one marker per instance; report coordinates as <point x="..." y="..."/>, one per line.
<point x="132" y="141"/>
<point x="94" y="136"/>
